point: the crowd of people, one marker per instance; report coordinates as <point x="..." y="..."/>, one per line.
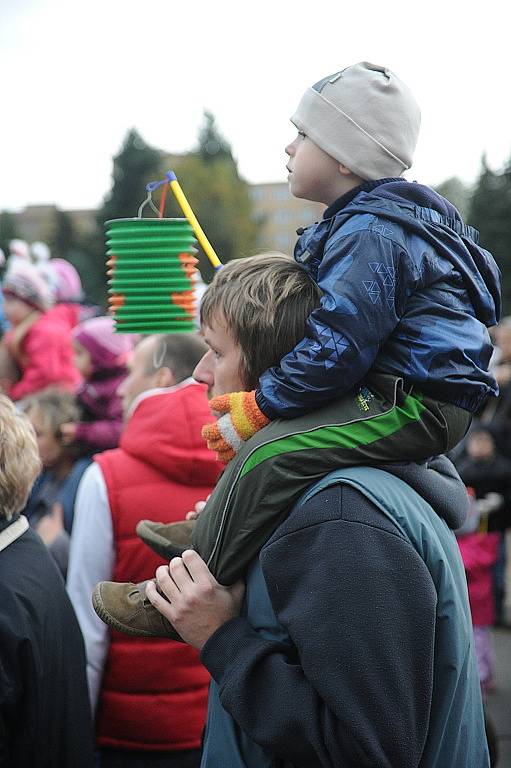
<point x="266" y="551"/>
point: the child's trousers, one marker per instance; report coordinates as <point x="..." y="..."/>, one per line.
<point x="379" y="422"/>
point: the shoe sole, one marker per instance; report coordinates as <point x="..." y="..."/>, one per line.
<point x="107" y="618"/>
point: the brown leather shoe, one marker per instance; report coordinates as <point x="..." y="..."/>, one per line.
<point x="125" y="607"/>
<point x="166" y="539"/>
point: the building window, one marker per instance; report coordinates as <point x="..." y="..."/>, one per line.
<point x="281" y="193"/>
<point x="282" y="216"/>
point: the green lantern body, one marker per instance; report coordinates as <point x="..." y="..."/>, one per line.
<point x="151" y="275"/>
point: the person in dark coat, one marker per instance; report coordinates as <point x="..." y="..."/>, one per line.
<point x="484" y="469"/>
<point x="45" y="718"/>
<point x="355" y="608"/>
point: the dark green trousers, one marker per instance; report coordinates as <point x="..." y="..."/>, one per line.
<point x="378" y="423"/>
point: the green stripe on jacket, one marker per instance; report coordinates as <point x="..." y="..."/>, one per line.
<point x="351" y="435"/>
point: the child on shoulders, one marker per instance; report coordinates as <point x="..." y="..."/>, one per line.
<point x="395" y="360"/>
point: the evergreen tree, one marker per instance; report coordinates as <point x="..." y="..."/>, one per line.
<point x="212" y="145"/>
<point x="62" y="238"/>
<point x="8" y="230"/>
<point x="457" y="193"/>
<point x="135" y="165"/>
<point x="490" y="213"/>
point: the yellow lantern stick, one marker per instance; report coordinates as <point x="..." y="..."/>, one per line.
<point x="199" y="232"/>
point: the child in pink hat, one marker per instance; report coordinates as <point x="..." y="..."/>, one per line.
<point x="68" y="284"/>
<point x="36" y="345"/>
<point x="68" y="292"/>
<point x="101" y="356"/>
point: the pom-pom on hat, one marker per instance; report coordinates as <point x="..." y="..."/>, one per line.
<point x="108" y="350"/>
<point x="40" y="251"/>
<point x="68" y="284"/>
<point x="365" y="117"/>
<point x="20" y="249"/>
<point x="24" y="281"/>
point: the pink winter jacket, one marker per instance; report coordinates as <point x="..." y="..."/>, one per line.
<point x="479" y="554"/>
<point x="45" y="358"/>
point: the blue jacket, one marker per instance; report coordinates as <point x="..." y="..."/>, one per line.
<point x="406" y="291"/>
<point x="355" y="647"/>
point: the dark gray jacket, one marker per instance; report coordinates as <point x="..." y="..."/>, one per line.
<point x="355" y="648"/>
<point x="45" y="719"/>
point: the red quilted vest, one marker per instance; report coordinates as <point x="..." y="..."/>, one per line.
<point x="154" y="692"/>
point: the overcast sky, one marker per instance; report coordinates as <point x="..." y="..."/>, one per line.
<point x="77" y="75"/>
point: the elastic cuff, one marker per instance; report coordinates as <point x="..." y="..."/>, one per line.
<point x="264" y="406"/>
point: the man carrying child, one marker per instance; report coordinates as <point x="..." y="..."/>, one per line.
<point x="388" y="365"/>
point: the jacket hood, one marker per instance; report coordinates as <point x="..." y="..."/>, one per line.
<point x="438" y="482"/>
<point x="422" y="211"/>
<point x="164" y="431"/>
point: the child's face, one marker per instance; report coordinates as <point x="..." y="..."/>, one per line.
<point x="16" y="310"/>
<point x="313" y="175"/>
<point x="83" y="360"/>
<point x="50" y="450"/>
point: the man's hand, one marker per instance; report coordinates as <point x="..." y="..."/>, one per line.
<point x="197" y="605"/>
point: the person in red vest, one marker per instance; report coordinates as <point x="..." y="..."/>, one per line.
<point x="150" y="707"/>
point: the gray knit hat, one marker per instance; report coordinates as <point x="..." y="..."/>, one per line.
<point x="364" y="117"/>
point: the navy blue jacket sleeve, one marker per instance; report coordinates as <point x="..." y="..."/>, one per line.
<point x="365" y="281"/>
<point x="354" y="688"/>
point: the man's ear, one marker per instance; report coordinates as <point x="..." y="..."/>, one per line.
<point x="164" y="377"/>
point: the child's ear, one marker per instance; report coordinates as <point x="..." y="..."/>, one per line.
<point x="344" y="171"/>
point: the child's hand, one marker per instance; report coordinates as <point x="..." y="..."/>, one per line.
<point x="68" y="433"/>
<point x="239" y="418"/>
<point x="195" y="512"/>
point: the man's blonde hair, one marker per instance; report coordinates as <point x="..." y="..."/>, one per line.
<point x="19" y="458"/>
<point x="265" y="301"/>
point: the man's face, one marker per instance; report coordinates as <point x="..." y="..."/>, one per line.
<point x="313" y="175"/>
<point x="138" y="379"/>
<point x="219" y="368"/>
